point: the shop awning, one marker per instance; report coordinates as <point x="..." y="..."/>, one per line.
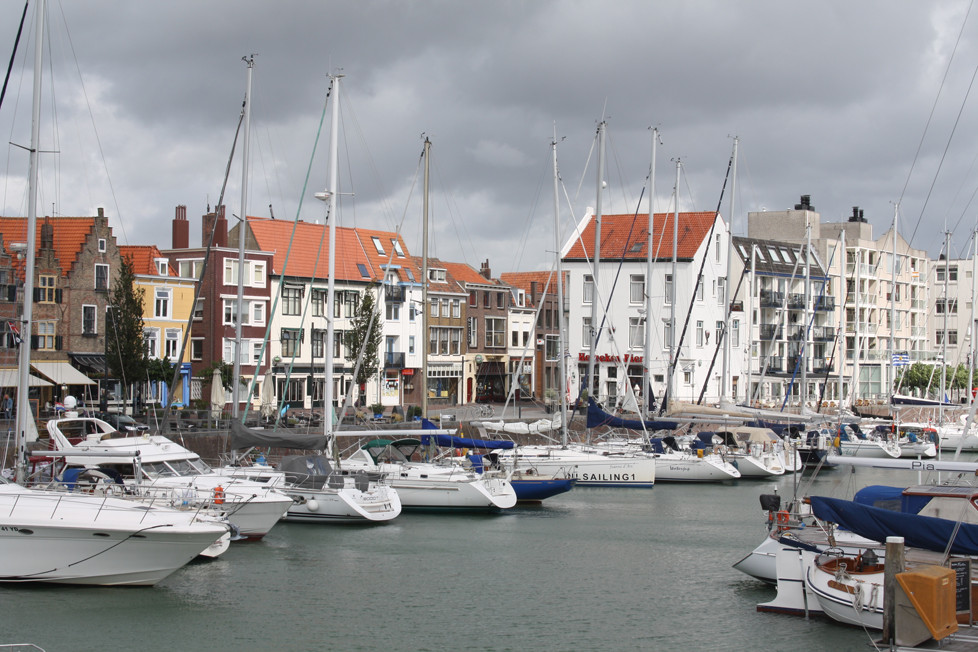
<point x="61" y="373"/>
<point x="93" y="362"/>
<point x="9" y="378"/>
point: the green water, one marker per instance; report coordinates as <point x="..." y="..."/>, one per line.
<point x="594" y="569"/>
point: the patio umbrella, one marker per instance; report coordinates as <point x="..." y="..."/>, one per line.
<point x="268" y="395"/>
<point x="217" y="394"/>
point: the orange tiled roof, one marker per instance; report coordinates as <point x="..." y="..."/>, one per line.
<point x="70" y="234"/>
<point x="415" y="263"/>
<point x="309" y="256"/>
<point x="464" y="273"/>
<point x="143" y="259"/>
<point x="625" y="236"/>
<point x="546" y="282"/>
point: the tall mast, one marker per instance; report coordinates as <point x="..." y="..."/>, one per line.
<point x="333" y="193"/>
<point x="803" y="394"/>
<point x="424" y="284"/>
<point x="242" y="226"/>
<point x="647" y="352"/>
<point x="971" y="319"/>
<point x="725" y="366"/>
<point x="562" y="373"/>
<point x="749" y="318"/>
<point x="24" y="358"/>
<point x="947" y="309"/>
<point x="842" y="321"/>
<point x="893" y="282"/>
<point x="673" y="354"/>
<point x="596" y="264"/>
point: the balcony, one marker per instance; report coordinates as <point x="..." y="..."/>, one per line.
<point x="822" y="367"/>
<point x="823" y="334"/>
<point x="394" y="360"/>
<point x="771" y="299"/>
<point x="771" y="332"/>
<point x="796" y="333"/>
<point x="393" y="294"/>
<point x="825" y="303"/>
<point x="796" y="301"/>
<point x="775" y="365"/>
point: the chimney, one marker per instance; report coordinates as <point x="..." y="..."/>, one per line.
<point x="47" y="234"/>
<point x="180" y="232"/>
<point x="533" y="293"/>
<point x="485" y="271"/>
<point x="220" y="228"/>
<point x="805" y="204"/>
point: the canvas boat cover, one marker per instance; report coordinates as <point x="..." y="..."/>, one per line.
<point x="242" y="437"/>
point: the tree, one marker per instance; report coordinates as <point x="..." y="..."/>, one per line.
<point x="124" y="349"/>
<point x="362" y="336"/>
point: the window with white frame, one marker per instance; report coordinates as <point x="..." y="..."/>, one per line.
<point x="456" y="308"/>
<point x="257" y="273"/>
<point x="495" y="332"/>
<point x="101" y="245"/>
<point x="434" y="307"/>
<point x="699" y="290"/>
<point x="551" y="347"/>
<point x="473" y="331"/>
<point x="735" y="333"/>
<point x="101" y="277"/>
<point x="586" y="334"/>
<point x="411" y="344"/>
<point x="172" y="343"/>
<point x="378" y="245"/>
<point x="162" y="267"/>
<point x="88" y="320"/>
<point x="257" y="313"/>
<point x="699" y="333"/>
<point x="668" y="289"/>
<point x="636" y="288"/>
<point x="393" y="310"/>
<point x="636" y="332"/>
<point x="151" y="341"/>
<point x="588" y="288"/>
<point x="199" y="310"/>
<point x="196" y="348"/>
<point x="230" y="271"/>
<point x="666" y="334"/>
<point x="161" y="305"/>
<point x="721" y="288"/>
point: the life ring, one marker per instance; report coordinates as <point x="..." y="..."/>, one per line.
<point x="782" y="517"/>
<point x="218" y="495"/>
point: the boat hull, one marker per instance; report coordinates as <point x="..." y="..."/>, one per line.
<point x="343" y="506"/>
<point x="538" y="489"/>
<point x="590" y="467"/>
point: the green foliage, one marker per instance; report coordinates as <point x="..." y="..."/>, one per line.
<point x="124" y="346"/>
<point x="362" y="336"/>
<point x="227" y="374"/>
<point x="376" y="408"/>
<point x="159" y="370"/>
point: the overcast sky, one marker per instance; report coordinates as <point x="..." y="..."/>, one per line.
<point x="830" y="99"/>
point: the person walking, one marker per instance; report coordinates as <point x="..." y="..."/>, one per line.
<point x="8" y="406"/>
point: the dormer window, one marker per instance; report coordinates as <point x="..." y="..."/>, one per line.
<point x="397" y="247"/>
<point x="436" y="275"/>
<point x="377" y="245"/>
<point x="520" y="298"/>
<point x="162" y="267"/>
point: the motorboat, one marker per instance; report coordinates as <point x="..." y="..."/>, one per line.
<point x="430" y="485"/>
<point x="162" y="464"/>
<point x="72" y="538"/>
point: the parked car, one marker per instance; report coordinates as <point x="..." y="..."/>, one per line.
<point x="122" y="422"/>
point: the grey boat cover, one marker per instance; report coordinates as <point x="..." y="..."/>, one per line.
<point x="242" y="437"/>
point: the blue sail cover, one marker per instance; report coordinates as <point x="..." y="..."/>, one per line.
<point x="598" y="417"/>
<point x="917" y="531"/>
<point x="451" y="441"/>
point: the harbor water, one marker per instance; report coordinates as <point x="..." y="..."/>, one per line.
<point x="593" y="569"/>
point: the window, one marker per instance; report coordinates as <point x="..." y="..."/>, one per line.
<point x="455" y="334"/>
<point x="445" y="309"/>
<point x="199" y="310"/>
<point x="636" y="332"/>
<point x="162" y="267"/>
<point x="88" y="320"/>
<point x="721" y="288"/>
<point x="318" y="343"/>
<point x="473" y="331"/>
<point x="500" y="300"/>
<point x="102" y="277"/>
<point x="717" y="247"/>
<point x="551" y="348"/>
<point x="485" y="299"/>
<point x="473" y="299"/>
<point x="338" y="344"/>
<point x="258" y="313"/>
<point x="411" y="344"/>
<point x="257" y="274"/>
<point x="434" y="307"/>
<point x="101" y="245"/>
<point x="436" y="275"/>
<point x="291" y="342"/>
<point x="520" y="298"/>
<point x="456" y="308"/>
<point x="495" y="332"/>
<point x="256" y="348"/>
<point x="668" y="289"/>
<point x="588" y="288"/>
<point x="230" y="312"/>
<point x="397" y="248"/>
<point x="413" y="312"/>
<point x="735" y="333"/>
<point x="291" y="301"/>
<point x="393" y="311"/>
<point x="636" y="292"/>
<point x="172" y="348"/>
<point x="587" y="335"/>
<point x="46" y="335"/>
<point x="719" y="330"/>
<point x="433" y="341"/>
<point x="699" y="333"/>
<point x="363" y="270"/>
<point x="161" y="306"/>
<point x="151" y="341"/>
<point x="230" y="271"/>
<point x="952" y="337"/>
<point x="197" y="348"/>
<point x="699" y="290"/>
<point x="667" y="335"/>
<point x="378" y="245"/>
<point x="45" y="285"/>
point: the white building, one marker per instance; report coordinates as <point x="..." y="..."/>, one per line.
<point x="615" y="305"/>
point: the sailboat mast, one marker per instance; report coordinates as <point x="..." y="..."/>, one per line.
<point x="803" y="394"/>
<point x="596" y="264"/>
<point x="749" y="318"/>
<point x="242" y="226"/>
<point x="562" y="371"/>
<point x="673" y="354"/>
<point x="893" y="282"/>
<point x="647" y="352"/>
<point x="947" y="309"/>
<point x="842" y="321"/>
<point x="333" y="191"/>
<point x="971" y="319"/>
<point x="424" y="283"/>
<point x="24" y="359"/>
<point x="725" y="363"/>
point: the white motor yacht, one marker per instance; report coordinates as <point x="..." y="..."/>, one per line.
<point x="252" y="507"/>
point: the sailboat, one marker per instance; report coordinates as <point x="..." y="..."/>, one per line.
<point x="51" y="536"/>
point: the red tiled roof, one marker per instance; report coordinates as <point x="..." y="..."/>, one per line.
<point x="143" y="259"/>
<point x="70" y="234"/>
<point x="464" y="273"/>
<point x="309" y="255"/>
<point x="625" y="236"/>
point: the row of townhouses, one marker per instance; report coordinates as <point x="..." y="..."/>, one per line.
<point x="748" y="319"/>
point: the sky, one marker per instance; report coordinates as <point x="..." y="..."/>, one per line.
<point x="855" y="104"/>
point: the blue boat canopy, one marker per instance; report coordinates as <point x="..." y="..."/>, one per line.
<point x="597" y="417"/>
<point x="451" y="441"/>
